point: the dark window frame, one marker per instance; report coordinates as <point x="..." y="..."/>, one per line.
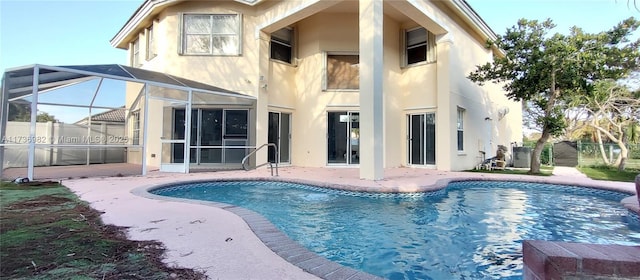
<point x="279" y="43"/>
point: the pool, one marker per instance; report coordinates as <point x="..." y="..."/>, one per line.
<point x="470" y="230"/>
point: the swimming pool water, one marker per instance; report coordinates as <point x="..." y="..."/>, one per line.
<point x="470" y="230"/>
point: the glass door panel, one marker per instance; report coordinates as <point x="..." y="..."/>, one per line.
<point x="273" y="134"/>
<point x="285" y="138"/>
<point x="337" y="123"/>
<point x="416" y="139"/>
<point x="235" y="137"/>
<point x="421" y="142"/>
<point x="233" y="151"/>
<point x="236" y="122"/>
<point x="179" y="130"/>
<point x="430" y="138"/>
<point x="354" y="138"/>
<point x="173" y="135"/>
<point x="210" y="135"/>
<point x="177" y="149"/>
<point x="279" y="133"/>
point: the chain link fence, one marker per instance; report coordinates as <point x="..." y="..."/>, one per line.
<point x="546" y="157"/>
<point x="589" y="154"/>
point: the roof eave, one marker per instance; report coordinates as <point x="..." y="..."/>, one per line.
<point x="476" y="22"/>
<point x="120" y="40"/>
<point x="143" y="12"/>
<point x="250" y="3"/>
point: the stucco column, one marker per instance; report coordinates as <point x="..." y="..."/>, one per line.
<point x="262" y="104"/>
<point x="371" y="98"/>
<point x="445" y="115"/>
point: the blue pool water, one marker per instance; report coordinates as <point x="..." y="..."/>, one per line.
<point x="470" y="230"/>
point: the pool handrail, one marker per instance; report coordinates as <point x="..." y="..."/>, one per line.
<point x="275" y="147"/>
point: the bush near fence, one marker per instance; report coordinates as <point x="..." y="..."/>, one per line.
<point x="547" y="151"/>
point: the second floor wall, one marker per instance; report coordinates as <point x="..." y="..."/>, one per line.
<point x="316" y="40"/>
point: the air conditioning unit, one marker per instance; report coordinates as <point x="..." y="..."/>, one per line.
<point x="521" y="157"/>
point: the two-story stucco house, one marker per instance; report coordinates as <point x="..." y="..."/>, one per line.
<point x="366" y="83"/>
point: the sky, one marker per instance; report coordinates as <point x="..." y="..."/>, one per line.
<point x="54" y="32"/>
<point x="77" y="32"/>
<point x="590" y="15"/>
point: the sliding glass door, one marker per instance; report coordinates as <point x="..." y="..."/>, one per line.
<point x="218" y="136"/>
<point x="280" y="134"/>
<point x="343" y="137"/>
<point x="421" y="129"/>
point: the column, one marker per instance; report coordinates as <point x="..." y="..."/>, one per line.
<point x="371" y="98"/>
<point x="262" y="104"/>
<point x="446" y="133"/>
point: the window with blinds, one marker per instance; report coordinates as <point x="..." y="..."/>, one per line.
<point x="420" y="46"/>
<point x="282" y="45"/>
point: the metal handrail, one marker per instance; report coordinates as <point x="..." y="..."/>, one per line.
<point x="244" y="160"/>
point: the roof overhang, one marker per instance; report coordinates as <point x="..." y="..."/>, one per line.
<point x="475" y="21"/>
<point x="145" y="14"/>
<point x="150" y="8"/>
<point x="141" y="17"/>
<point x="274" y="20"/>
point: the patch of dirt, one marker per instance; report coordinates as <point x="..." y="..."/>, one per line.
<point x="42" y="201"/>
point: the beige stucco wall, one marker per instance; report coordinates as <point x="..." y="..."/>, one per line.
<point x="467" y="51"/>
<point x="297" y="88"/>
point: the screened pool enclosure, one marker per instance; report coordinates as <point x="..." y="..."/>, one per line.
<point x="112" y="115"/>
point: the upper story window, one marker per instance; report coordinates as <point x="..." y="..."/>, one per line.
<point x="420" y="46"/>
<point x="135" y="53"/>
<point x="211" y="34"/>
<point x="342" y="72"/>
<point x="460" y="127"/>
<point x="151" y="43"/>
<point x="282" y="45"/>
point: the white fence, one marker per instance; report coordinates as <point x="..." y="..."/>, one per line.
<point x="64" y="134"/>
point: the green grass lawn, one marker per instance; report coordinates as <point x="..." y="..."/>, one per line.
<point x="609" y="173"/>
<point x="545" y="170"/>
<point x="46" y="232"/>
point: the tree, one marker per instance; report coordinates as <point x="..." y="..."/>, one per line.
<point x="22" y="113"/>
<point x="45" y="117"/>
<point x="613" y="111"/>
<point x="542" y="70"/>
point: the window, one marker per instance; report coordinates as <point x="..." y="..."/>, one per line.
<point x="211" y="34"/>
<point x="460" y="126"/>
<point x="282" y="45"/>
<point x="420" y="46"/>
<point x="135" y="127"/>
<point x="151" y="44"/>
<point x="135" y="54"/>
<point x="342" y="71"/>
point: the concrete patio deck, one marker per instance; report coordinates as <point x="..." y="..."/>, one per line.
<point x="222" y="244"/>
